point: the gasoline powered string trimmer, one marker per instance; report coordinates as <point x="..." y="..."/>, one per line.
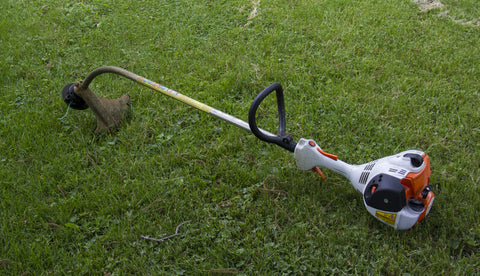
<point x="395" y="189"/>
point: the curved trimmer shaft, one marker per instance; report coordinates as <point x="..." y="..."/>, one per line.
<point x="109" y="113"/>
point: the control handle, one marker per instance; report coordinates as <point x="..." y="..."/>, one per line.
<point x="282" y="139"/>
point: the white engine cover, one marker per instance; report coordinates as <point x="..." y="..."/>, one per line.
<point x="398" y="167"/>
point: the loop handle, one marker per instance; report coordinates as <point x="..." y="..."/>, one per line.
<point x="283" y="140"/>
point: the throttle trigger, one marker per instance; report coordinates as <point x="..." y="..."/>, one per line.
<point x="317" y="170"/>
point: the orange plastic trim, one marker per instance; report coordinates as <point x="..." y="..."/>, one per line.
<point x="414" y="183"/>
<point x="329" y="155"/>
<point x="317" y="170"/>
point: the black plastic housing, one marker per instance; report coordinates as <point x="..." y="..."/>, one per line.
<point x="386" y="193"/>
<point x="71" y="99"/>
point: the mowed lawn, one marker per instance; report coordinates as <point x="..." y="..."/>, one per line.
<point x="365" y="79"/>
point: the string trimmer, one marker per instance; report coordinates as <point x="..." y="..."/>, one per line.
<point x="395" y="188"/>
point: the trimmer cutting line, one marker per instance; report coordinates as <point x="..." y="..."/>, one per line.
<point x="395" y="188"/>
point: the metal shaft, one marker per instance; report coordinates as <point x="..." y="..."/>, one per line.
<point x="169" y="92"/>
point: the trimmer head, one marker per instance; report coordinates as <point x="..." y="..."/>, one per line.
<point x="109" y="113"/>
<point x="72" y="99"/>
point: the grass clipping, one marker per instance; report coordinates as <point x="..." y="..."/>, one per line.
<point x="426" y="5"/>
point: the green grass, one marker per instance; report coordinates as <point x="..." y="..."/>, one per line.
<point x="365" y="79"/>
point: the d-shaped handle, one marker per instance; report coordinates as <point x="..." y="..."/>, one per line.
<point x="283" y="140"/>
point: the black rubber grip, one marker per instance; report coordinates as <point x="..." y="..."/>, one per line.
<point x="283" y="140"/>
